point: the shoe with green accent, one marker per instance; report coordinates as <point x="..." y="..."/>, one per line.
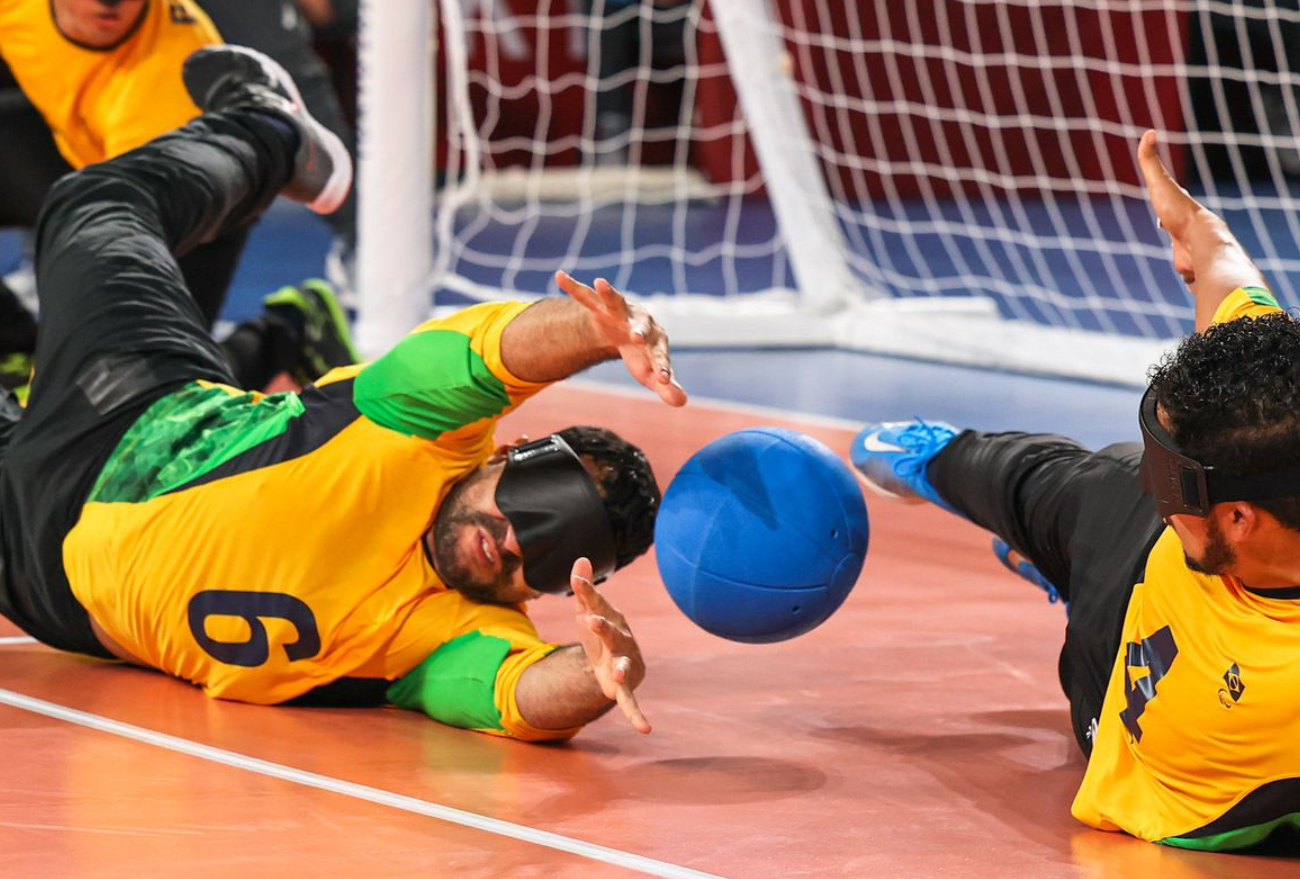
<point x="325" y="342"/>
<point x="15" y="370"/>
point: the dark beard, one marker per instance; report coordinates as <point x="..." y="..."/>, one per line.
<point x="1217" y="558"/>
<point x="446" y="528"/>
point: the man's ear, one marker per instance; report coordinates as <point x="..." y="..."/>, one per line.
<point x="1238" y="520"/>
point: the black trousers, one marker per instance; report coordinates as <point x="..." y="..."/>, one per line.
<point x="119" y="329"/>
<point x="30" y="164"/>
<point x="1081" y="517"/>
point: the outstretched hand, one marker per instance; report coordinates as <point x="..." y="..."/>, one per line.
<point x="1206" y="254"/>
<point x="1174" y="208"/>
<point x="641" y="342"/>
<point x="611" y="650"/>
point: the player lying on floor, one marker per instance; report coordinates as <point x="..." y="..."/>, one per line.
<point x="1179" y="558"/>
<point x="138" y="489"/>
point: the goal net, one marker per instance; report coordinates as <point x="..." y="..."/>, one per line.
<point x="949" y="179"/>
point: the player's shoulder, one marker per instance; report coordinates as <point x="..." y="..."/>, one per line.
<point x="1246" y="302"/>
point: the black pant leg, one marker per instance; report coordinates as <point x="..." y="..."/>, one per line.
<point x="1081" y="517"/>
<point x="17" y="326"/>
<point x="109" y="237"/>
<point x="30" y="161"/>
<point x="209" y="268"/>
<point x="119" y="329"/>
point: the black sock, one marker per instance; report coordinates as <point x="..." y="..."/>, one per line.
<point x="258" y="350"/>
<point x="17" y="326"/>
<point x="285" y="130"/>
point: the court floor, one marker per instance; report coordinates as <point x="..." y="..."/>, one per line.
<point x="920" y="732"/>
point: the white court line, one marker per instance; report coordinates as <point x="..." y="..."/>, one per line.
<point x="496" y="826"/>
<point x="356" y="791"/>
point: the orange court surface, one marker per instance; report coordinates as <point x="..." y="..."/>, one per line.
<point x="920" y="732"/>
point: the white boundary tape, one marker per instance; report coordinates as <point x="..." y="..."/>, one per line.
<point x="440" y="812"/>
<point x="356" y="791"/>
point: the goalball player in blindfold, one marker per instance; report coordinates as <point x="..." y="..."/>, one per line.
<point x="138" y="490"/>
<point x="1179" y="558"/>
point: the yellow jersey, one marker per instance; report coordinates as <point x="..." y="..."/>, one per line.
<point x="1196" y="745"/>
<point x="262" y="547"/>
<point x="100" y="103"/>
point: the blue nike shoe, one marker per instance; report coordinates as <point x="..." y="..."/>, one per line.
<point x="1026" y="570"/>
<point x="890" y="458"/>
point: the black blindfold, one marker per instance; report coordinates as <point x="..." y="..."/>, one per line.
<point x="1181" y="484"/>
<point x="557" y="513"/>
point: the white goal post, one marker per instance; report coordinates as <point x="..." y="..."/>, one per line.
<point x="949" y="180"/>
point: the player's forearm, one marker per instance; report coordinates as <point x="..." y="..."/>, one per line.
<point x="560" y="691"/>
<point x="1221" y="265"/>
<point x="552" y="340"/>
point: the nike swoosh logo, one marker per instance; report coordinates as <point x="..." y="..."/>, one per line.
<point x="873" y="443"/>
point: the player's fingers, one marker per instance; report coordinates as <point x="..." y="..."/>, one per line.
<point x="670" y="391"/>
<point x="577" y="290"/>
<point x="1172" y="204"/>
<point x="653" y="373"/>
<point x="1149" y="161"/>
<point x="590" y="599"/>
<point x="611" y="298"/>
<point x="1148" y="158"/>
<point x="658" y="375"/>
<point x="632" y="711"/>
<point x="580" y="581"/>
<point x="614" y="632"/>
<point x="665" y="383"/>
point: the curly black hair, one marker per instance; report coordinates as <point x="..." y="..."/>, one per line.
<point x="1232" y="398"/>
<point x="626" y="482"/>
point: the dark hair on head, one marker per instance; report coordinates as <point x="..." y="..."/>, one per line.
<point x="626" y="482"/>
<point x="1232" y="398"/>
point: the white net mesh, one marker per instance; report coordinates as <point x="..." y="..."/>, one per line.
<point x="560" y="156"/>
<point x="985" y="146"/>
<point x="973" y="158"/>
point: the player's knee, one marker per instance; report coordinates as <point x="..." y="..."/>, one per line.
<point x="99" y="184"/>
<point x="85" y="201"/>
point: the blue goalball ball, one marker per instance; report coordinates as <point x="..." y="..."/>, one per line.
<point x="761" y="535"/>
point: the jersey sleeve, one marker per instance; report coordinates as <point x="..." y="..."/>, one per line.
<point x="444" y="376"/>
<point x="1246" y="302"/>
<point x="470" y="680"/>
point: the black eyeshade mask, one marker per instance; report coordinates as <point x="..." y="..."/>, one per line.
<point x="557" y="513"/>
<point x="1184" y="485"/>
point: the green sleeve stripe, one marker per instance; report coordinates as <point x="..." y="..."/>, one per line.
<point x="456" y="685"/>
<point x="187" y="434"/>
<point x="1261" y="296"/>
<point x="431" y="383"/>
<point x="1232" y="840"/>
